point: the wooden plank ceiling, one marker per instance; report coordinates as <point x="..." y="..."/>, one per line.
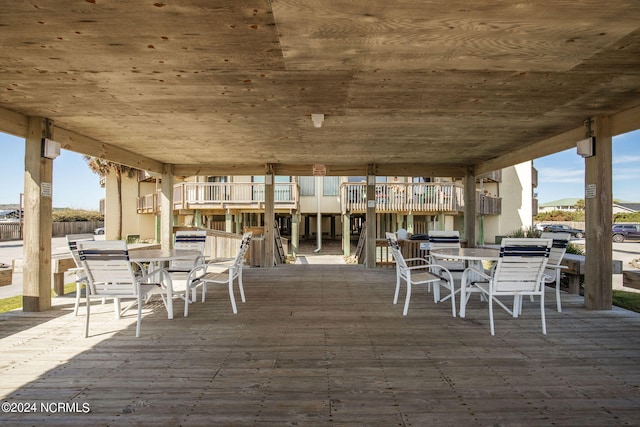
<point x="209" y="86"/>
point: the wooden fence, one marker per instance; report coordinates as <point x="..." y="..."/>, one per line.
<point x="10" y="231"/>
<point x="409" y="249"/>
<point x="13" y="231"/>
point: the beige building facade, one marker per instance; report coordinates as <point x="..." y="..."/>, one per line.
<point x="233" y="203"/>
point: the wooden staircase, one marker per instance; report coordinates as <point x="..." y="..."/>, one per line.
<point x="279" y="257"/>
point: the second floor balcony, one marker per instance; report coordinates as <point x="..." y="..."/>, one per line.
<point x="416" y="198"/>
<point x="232" y="195"/>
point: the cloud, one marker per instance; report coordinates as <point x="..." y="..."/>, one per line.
<point x="626" y="159"/>
<point x="559" y="175"/>
<point x="626" y="174"/>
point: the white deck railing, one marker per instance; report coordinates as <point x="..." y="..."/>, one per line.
<point x="401" y="197"/>
<point x="405" y="197"/>
<point x="222" y="195"/>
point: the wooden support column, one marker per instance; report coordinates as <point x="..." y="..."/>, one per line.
<point x="346" y="234"/>
<point x="38" y="188"/>
<point x="238" y="221"/>
<point x="197" y="218"/>
<point x="228" y="221"/>
<point x="295" y="233"/>
<point x="410" y="223"/>
<point x="371" y="217"/>
<point x="598" y="212"/>
<point x="166" y="207"/>
<point x="441" y="221"/>
<point x="269" y="216"/>
<point x="470" y="209"/>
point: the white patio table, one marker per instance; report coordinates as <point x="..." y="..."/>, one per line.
<point x="159" y="256"/>
<point x="471" y="256"/>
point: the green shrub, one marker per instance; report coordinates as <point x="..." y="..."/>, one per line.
<point x="524" y="233"/>
<point x="75" y="215"/>
<point x="627" y="217"/>
<point x="575" y="216"/>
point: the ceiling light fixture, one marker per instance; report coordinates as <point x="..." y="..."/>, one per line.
<point x="317" y="119"/>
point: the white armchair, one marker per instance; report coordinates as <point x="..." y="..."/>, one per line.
<point x="517" y="273"/>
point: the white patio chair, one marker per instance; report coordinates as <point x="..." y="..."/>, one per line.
<point x="446" y="239"/>
<point x="392" y="241"/>
<point x="111" y="275"/>
<point x="421" y="274"/>
<point x="518" y="272"/>
<point x="215" y="272"/>
<point x="81" y="276"/>
<point x="194" y="240"/>
<point x="552" y="271"/>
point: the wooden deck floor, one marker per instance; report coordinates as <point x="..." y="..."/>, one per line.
<point x="322" y="345"/>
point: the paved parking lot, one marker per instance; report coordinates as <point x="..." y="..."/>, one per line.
<point x="13" y="251"/>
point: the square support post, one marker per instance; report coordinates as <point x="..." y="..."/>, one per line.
<point x="470" y="208"/>
<point x="346" y="234"/>
<point x="269" y="217"/>
<point x="38" y="191"/>
<point x="598" y="219"/>
<point x="166" y="209"/>
<point x="371" y="217"/>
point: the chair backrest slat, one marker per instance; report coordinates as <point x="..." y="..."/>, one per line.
<point x="108" y="267"/>
<point x="521" y="264"/>
<point x="397" y="255"/>
<point x="244" y="247"/>
<point x="558" y="248"/>
<point x="392" y="239"/>
<point x="72" y="242"/>
<point x="444" y="239"/>
<point x="194" y="240"/>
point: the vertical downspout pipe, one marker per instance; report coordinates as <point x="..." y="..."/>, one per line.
<point x="319" y="219"/>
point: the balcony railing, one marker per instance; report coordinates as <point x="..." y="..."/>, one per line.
<point x="488" y="205"/>
<point x="225" y="195"/>
<point x="427" y="198"/>
<point x="405" y="197"/>
<point x="149" y="204"/>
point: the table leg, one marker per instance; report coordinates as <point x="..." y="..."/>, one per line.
<point x="463" y="295"/>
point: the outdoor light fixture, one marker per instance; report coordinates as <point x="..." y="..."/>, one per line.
<point x="586" y="147"/>
<point x="50" y="148"/>
<point x="317" y="119"/>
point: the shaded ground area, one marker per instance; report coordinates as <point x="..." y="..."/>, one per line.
<point x="323" y="345"/>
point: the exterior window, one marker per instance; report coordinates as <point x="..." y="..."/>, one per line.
<point x="307" y="186"/>
<point x="331" y="185"/>
<point x="357" y="179"/>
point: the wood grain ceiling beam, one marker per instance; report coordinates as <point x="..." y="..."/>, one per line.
<point x="390" y="169"/>
<point x="622" y="122"/>
<point x="16" y="124"/>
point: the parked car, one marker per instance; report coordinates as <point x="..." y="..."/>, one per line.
<point x="622" y="232"/>
<point x="562" y="228"/>
<point x="540" y="227"/>
<point x="99" y="230"/>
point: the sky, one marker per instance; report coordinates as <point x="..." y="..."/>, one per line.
<point x="75" y="186"/>
<point x="560" y="175"/>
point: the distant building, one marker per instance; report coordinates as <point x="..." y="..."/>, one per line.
<point x="415" y="204"/>
<point x="626" y="207"/>
<point x="568" y="204"/>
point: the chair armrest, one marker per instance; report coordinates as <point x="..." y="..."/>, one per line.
<point x="557" y="266"/>
<point x="473" y="270"/>
<point x="422" y="267"/>
<point x="416" y="259"/>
